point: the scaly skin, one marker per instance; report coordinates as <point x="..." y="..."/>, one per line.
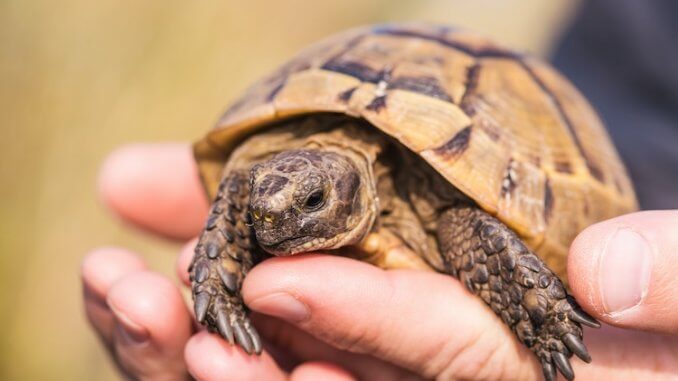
<point x="492" y="262"/>
<point x="225" y="252"/>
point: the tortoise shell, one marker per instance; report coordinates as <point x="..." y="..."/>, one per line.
<point x="504" y="128"/>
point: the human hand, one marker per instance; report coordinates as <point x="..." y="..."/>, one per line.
<point x="369" y="323"/>
<point x="140" y="316"/>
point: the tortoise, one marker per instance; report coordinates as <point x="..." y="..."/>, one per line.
<point x="412" y="146"/>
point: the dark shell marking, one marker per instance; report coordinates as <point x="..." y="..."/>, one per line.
<point x="472" y="77"/>
<point x="455" y="146"/>
<point x="353" y="68"/>
<point x="377" y="104"/>
<point x="548" y="200"/>
<point x="422" y="85"/>
<point x="345" y="96"/>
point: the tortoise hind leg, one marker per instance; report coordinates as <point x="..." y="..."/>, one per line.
<point x="492" y="262"/>
<point x="224" y="254"/>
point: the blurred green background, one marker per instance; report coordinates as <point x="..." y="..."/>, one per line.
<point x="79" y="78"/>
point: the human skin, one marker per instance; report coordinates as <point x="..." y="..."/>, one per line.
<point x="328" y="317"/>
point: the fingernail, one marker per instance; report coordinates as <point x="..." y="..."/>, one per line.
<point x="132" y="332"/>
<point x="282" y="305"/>
<point x="625" y="271"/>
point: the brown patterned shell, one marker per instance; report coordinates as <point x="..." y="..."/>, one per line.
<point x="504" y="128"/>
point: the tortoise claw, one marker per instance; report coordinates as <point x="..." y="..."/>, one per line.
<point x="202" y="302"/>
<point x="224" y="326"/>
<point x="563" y="365"/>
<point x="220" y="308"/>
<point x="256" y="340"/>
<point x="226" y="315"/>
<point x="576" y="346"/>
<point x="243" y="337"/>
<point x="582" y="317"/>
<point x="549" y="371"/>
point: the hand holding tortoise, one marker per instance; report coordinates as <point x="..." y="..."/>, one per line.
<point x="146" y="325"/>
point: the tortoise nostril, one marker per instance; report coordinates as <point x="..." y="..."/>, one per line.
<point x="265" y="215"/>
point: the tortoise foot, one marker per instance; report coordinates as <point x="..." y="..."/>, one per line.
<point x="223" y="255"/>
<point x="558" y="337"/>
<point x="493" y="263"/>
<point x="224" y="313"/>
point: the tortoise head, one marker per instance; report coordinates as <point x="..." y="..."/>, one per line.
<point x="308" y="200"/>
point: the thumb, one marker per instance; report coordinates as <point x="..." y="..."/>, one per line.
<point x="625" y="270"/>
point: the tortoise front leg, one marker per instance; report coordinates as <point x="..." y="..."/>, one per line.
<point x="225" y="252"/>
<point x="493" y="263"/>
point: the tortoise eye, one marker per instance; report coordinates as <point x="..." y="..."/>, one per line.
<point x="315" y="200"/>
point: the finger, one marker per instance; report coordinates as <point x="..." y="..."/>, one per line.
<point x="425" y="322"/>
<point x="313" y="371"/>
<point x="184" y="260"/>
<point x="151" y="326"/>
<point x="211" y="358"/>
<point x="306" y="348"/>
<point x="155" y="187"/>
<point x="100" y="269"/>
<point x="300" y="344"/>
<point x="628" y="355"/>
<point x="624" y="270"/>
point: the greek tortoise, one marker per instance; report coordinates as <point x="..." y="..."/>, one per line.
<point x="472" y="159"/>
